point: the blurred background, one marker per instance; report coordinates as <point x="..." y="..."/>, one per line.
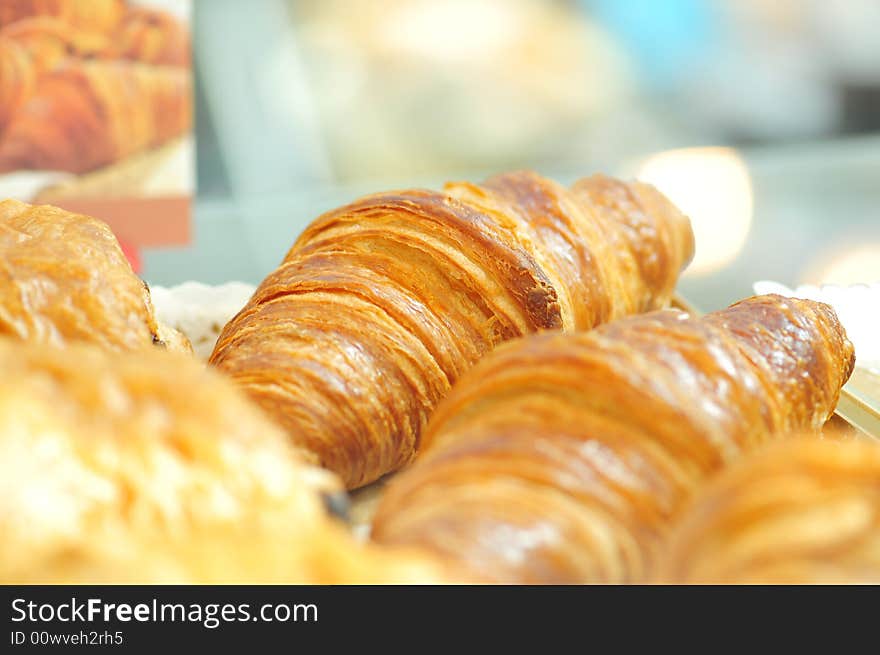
<point x="760" y="118"/>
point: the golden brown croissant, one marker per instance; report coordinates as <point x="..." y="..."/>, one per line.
<point x="63" y="277"/>
<point x="381" y="305"/>
<point x="85" y="115"/>
<point x="89" y="15"/>
<point x="564" y="458"/>
<point x="799" y="512"/>
<point x="147" y="467"/>
<point x="151" y="36"/>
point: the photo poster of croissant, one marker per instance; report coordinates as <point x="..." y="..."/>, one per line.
<point x="96" y="113"/>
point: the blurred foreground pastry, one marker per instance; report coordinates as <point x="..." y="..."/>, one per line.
<point x="566" y="458"/>
<point x="800" y="512"/>
<point x="146" y="467"/>
<point x="381" y="305"/>
<point x="63" y="278"/>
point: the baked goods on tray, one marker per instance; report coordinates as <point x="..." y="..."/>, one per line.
<point x="381" y="305"/>
<point x="566" y="458"/>
<point x="489" y="328"/>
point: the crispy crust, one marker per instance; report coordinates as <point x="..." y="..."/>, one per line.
<point x="382" y="304"/>
<point x="565" y="458"/>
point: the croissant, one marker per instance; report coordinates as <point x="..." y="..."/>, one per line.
<point x="85" y="115"/>
<point x="147" y="467"/>
<point x="152" y="36"/>
<point x="63" y="277"/>
<point x="89" y="15"/>
<point x="31" y="47"/>
<point x="565" y="458"/>
<point x="381" y="305"/>
<point x="800" y="512"/>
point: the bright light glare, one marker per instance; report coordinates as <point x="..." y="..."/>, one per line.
<point x="712" y="186"/>
<point x="456" y="30"/>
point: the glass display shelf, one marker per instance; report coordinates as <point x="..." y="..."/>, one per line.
<point x="794" y="214"/>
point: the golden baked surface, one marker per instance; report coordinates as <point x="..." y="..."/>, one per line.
<point x="381" y="305"/>
<point x="63" y="278"/>
<point x="146" y="467"/>
<point x="565" y="458"/>
<point x="799" y="512"/>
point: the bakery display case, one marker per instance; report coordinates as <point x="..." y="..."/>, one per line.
<point x="809" y="216"/>
<point x="337" y="108"/>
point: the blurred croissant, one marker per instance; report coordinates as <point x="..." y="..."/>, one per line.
<point x="87" y="114"/>
<point x="381" y="305"/>
<point x="800" y="512"/>
<point x="50" y="40"/>
<point x="566" y="458"/>
<point x="31" y="47"/>
<point x="145" y="467"/>
<point x="88" y="15"/>
<point x="63" y="278"/>
<point x="151" y="36"/>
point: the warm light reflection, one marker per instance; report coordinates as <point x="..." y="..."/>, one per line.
<point x="851" y="265"/>
<point x="712" y="186"/>
<point x="459" y="30"/>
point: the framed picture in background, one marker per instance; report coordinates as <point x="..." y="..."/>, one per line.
<point x="96" y="110"/>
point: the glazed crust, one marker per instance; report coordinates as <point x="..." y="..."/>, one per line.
<point x="86" y="114"/>
<point x="800" y="512"/>
<point x="565" y="458"/>
<point x="147" y="467"/>
<point x="63" y="278"/>
<point x="381" y="305"/>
